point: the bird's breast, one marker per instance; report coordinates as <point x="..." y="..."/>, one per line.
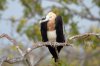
<point x="51" y="35"/>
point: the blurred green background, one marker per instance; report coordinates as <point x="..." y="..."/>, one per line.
<point x="20" y="20"/>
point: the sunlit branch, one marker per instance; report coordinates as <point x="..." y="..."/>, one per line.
<point x="85" y="36"/>
<point x="40" y="44"/>
<point x="13" y="41"/>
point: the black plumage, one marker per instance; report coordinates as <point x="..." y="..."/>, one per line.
<point x="59" y="33"/>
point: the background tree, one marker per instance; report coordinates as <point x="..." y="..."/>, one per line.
<point x="74" y="13"/>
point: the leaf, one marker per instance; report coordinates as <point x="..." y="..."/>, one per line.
<point x="2" y="4"/>
<point x="97" y="2"/>
<point x="13" y="18"/>
<point x="10" y="56"/>
<point x="75" y="1"/>
<point x="74" y="29"/>
<point x="21" y="24"/>
<point x="13" y="48"/>
<point x="33" y="32"/>
<point x="29" y="32"/>
<point x="20" y="45"/>
<point x="32" y="7"/>
<point x="55" y="10"/>
<point x="66" y="18"/>
<point x="38" y="8"/>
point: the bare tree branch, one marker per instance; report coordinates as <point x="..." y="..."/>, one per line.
<point x="40" y="44"/>
<point x="9" y="38"/>
<point x="2" y="59"/>
<point x="85" y="35"/>
<point x="14" y="60"/>
<point x="13" y="41"/>
<point x="73" y="12"/>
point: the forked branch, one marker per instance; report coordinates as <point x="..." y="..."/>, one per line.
<point x="40" y="44"/>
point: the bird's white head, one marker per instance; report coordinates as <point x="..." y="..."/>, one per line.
<point x="49" y="17"/>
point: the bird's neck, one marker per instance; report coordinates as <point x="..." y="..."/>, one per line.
<point x="51" y="25"/>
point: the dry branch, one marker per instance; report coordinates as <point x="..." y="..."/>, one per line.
<point x="85" y="36"/>
<point x="40" y="44"/>
<point x="14" y="60"/>
<point x="13" y="41"/>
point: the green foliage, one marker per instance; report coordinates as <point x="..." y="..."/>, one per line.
<point x="7" y="64"/>
<point x="13" y="48"/>
<point x="13" y="19"/>
<point x="97" y="2"/>
<point x="10" y="56"/>
<point x="33" y="32"/>
<point x="69" y="1"/>
<point x="60" y="63"/>
<point x="75" y="1"/>
<point x="2" y="6"/>
<point x="38" y="8"/>
<point x="21" y="24"/>
<point x="61" y="11"/>
<point x="74" y="29"/>
<point x="29" y="32"/>
<point x="94" y="40"/>
<point x="32" y="7"/>
<point x="66" y="18"/>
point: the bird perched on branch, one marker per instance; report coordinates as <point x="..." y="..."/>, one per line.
<point x="52" y="31"/>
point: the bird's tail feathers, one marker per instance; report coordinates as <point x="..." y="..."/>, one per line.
<point x="53" y="52"/>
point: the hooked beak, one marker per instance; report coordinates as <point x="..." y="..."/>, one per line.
<point x="44" y="19"/>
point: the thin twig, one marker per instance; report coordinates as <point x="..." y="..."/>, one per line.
<point x="13" y="41"/>
<point x="14" y="60"/>
<point x="84" y="35"/>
